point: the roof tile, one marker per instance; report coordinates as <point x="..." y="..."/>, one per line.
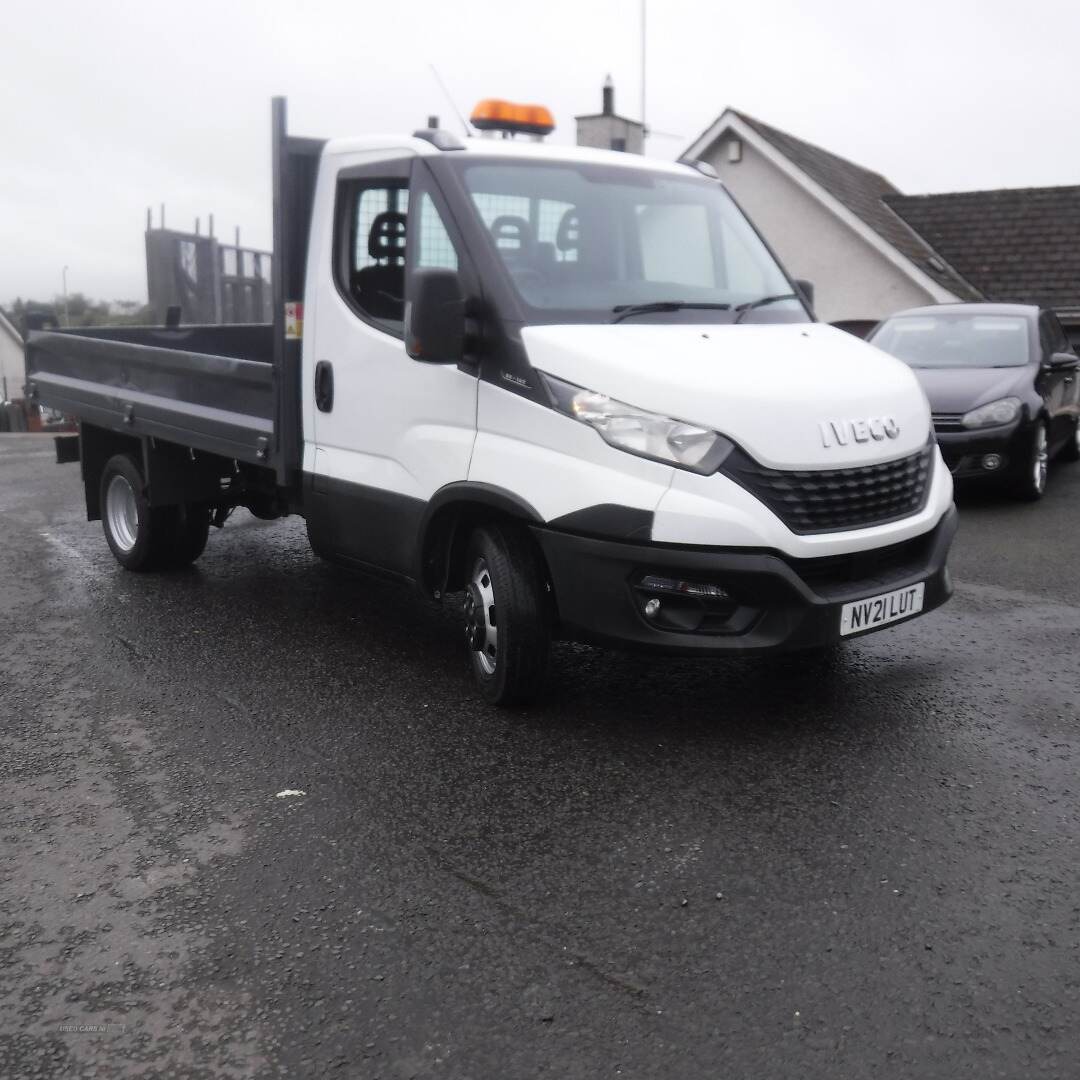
<point x="1017" y="245"/>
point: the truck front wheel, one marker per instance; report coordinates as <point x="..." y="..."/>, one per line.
<point x="507" y="624"/>
<point x="142" y="537"/>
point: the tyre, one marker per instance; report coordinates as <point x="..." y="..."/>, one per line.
<point x="134" y="532"/>
<point x="507" y="620"/>
<point x="190" y="527"/>
<point x="1030" y="484"/>
<point x="1071" y="450"/>
<point x="143" y="537"/>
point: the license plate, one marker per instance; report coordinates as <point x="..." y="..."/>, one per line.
<point x="878" y="610"/>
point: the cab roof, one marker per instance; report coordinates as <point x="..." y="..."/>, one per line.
<point x="519" y="149"/>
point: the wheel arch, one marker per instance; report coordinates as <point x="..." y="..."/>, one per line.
<point x="451" y="514"/>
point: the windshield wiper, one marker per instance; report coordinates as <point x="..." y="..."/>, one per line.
<point x="624" y="311"/>
<point x="742" y="309"/>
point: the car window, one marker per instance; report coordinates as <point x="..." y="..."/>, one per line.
<point x="434" y="246"/>
<point x="1057" y="340"/>
<point x="371" y="268"/>
<point x="581" y="241"/>
<point x="956" y="339"/>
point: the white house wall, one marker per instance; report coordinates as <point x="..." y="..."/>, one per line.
<point x="851" y="279"/>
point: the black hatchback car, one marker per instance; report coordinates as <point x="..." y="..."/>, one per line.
<point x="1003" y="387"/>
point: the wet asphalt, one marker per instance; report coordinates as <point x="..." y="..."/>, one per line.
<point x="739" y="868"/>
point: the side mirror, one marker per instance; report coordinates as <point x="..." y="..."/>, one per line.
<point x="435" y="317"/>
<point x="807" y="290"/>
<point x="1061" y="361"/>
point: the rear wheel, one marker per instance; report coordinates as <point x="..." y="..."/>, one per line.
<point x="507" y="625"/>
<point x="144" y="537"/>
<point x="191" y="522"/>
<point x="1031" y="482"/>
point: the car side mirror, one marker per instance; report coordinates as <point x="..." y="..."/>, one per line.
<point x="1061" y="361"/>
<point x="435" y="317"/>
<point x="807" y="290"/>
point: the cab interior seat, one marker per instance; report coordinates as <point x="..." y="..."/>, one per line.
<point x="380" y="288"/>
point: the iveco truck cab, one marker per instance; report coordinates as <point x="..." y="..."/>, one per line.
<point x="570" y="391"/>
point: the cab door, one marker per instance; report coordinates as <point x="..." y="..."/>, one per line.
<point x="383" y="432"/>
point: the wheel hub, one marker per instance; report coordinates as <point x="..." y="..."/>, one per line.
<point x="122" y="513"/>
<point x="474" y="618"/>
<point x="480" y="618"/>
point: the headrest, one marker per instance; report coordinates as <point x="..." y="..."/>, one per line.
<point x="568" y="235"/>
<point x="512" y="227"/>
<point x="386" y="240"/>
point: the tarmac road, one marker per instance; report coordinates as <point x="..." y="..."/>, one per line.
<point x="748" y="868"/>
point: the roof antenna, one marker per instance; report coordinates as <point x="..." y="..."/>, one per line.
<point x="644" y="126"/>
<point x="453" y="104"/>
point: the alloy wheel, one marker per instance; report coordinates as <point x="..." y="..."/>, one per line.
<point x="1041" y="459"/>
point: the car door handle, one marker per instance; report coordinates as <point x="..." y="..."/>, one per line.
<point x="324" y="386"/>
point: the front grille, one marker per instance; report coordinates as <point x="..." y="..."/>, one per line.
<point x="947" y="421"/>
<point x="827" y="500"/>
<point x="871" y="571"/>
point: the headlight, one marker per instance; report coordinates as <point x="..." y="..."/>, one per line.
<point x="993" y="414"/>
<point x="636" y="431"/>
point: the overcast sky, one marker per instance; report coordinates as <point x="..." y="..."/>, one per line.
<point x="112" y="107"/>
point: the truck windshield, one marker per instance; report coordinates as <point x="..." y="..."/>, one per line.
<point x="955" y="340"/>
<point x="592" y="242"/>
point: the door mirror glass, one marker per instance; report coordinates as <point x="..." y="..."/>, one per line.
<point x="807" y="290"/>
<point x="435" y="317"/>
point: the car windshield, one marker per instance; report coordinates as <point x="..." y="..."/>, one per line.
<point x="590" y="241"/>
<point x="956" y="340"/>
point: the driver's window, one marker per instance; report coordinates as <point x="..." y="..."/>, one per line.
<point x="371" y="268"/>
<point x="434" y="248"/>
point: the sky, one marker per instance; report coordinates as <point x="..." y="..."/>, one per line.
<point x="107" y="108"/>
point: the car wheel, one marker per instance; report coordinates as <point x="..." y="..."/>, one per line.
<point x="1071" y="450"/>
<point x="507" y="623"/>
<point x="1031" y="482"/>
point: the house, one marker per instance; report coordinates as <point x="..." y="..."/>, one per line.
<point x="12" y="370"/>
<point x="870" y="250"/>
<point x="1015" y="245"/>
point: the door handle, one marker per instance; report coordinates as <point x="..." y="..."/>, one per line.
<point x="324" y="386"/>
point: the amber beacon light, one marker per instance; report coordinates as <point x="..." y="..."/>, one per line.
<point x="493" y="114"/>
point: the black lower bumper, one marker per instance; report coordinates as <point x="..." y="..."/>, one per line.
<point x="772" y="602"/>
<point x="965" y="453"/>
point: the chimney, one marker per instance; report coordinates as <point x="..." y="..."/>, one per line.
<point x="606" y="130"/>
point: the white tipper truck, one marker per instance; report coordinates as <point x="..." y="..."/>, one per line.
<point x="571" y="391"/>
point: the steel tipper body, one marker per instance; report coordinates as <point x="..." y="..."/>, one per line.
<point x="570" y="389"/>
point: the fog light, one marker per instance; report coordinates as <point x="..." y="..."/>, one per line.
<point x="684" y="588"/>
<point x="991" y="461"/>
<point x="652" y="607"/>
